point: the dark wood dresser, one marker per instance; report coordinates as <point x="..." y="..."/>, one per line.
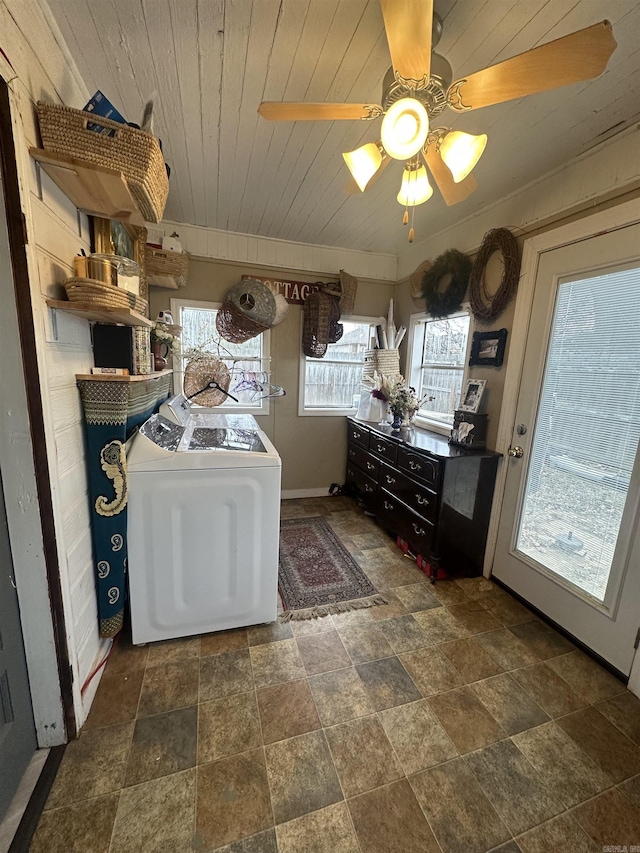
<point x="433" y="495"/>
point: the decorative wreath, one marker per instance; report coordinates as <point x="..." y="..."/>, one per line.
<point x="486" y="307"/>
<point x="443" y="304"/>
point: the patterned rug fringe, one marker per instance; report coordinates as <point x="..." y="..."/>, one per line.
<point x="327" y="609"/>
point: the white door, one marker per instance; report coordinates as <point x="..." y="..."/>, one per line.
<point x="568" y="540"/>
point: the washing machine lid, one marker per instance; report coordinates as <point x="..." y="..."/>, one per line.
<point x="162" y="445"/>
<point x="199" y="438"/>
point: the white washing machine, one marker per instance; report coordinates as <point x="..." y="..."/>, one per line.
<point x="203" y="524"/>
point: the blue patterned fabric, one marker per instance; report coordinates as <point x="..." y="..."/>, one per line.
<point x="112" y="411"/>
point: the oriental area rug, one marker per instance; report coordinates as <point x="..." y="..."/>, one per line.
<point x="317" y="575"/>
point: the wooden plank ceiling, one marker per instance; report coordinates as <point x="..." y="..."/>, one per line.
<point x="209" y="63"/>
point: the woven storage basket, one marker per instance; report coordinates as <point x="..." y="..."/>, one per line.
<point x="349" y="288"/>
<point x="163" y="263"/>
<point x="133" y="152"/>
<point x="321" y="313"/>
<point x="236" y="327"/>
<point x="99" y="294"/>
<point x="385" y="361"/>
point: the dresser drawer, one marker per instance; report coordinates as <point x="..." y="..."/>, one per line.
<point x="411" y="492"/>
<point x="420" y="466"/>
<point x="365" y="485"/>
<point x="364" y="460"/>
<point x="359" y="435"/>
<point x="383" y="447"/>
<point x="394" y="515"/>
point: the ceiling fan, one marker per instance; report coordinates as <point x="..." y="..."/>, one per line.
<point x="418" y="88"/>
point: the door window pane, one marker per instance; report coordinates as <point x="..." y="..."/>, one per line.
<point x="587" y="431"/>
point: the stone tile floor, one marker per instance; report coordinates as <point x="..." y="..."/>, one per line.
<point x="450" y="720"/>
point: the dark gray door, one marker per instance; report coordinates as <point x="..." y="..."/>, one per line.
<point x="17" y="731"/>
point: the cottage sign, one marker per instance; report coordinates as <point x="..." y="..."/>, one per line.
<point x="295" y="292"/>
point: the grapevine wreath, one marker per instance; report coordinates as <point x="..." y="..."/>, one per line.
<point x="444" y="303"/>
<point x="484" y="306"/>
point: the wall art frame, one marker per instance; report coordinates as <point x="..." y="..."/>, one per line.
<point x="471" y="395"/>
<point x="487" y="348"/>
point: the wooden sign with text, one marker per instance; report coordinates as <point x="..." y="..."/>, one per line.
<point x="295" y="292"/>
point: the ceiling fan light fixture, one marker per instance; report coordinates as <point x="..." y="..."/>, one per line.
<point x="415" y="188"/>
<point x="363" y="163"/>
<point x="404" y="128"/>
<point x="461" y="151"/>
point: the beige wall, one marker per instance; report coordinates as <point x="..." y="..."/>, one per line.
<point x="495" y="376"/>
<point x="313" y="449"/>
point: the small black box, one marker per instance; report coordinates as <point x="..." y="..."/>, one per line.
<point x="122" y="346"/>
<point x="476" y="438"/>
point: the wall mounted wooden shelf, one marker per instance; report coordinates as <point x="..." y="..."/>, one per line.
<point x="95" y="190"/>
<point x="108" y="377"/>
<point x="125" y="316"/>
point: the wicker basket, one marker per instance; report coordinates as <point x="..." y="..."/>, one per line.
<point x="101" y="295"/>
<point x="236" y="327"/>
<point x="385" y="361"/>
<point x="320" y="323"/>
<point x="174" y="265"/>
<point x="133" y="152"/>
<point x="349" y="288"/>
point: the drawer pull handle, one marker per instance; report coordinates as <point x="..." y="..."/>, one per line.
<point x="356" y="434"/>
<point x="414" y="466"/>
<point x="380" y="448"/>
<point x="390" y="480"/>
<point x="387" y="505"/>
<point x="419" y="530"/>
<point x="352" y="453"/>
<point x="422" y="501"/>
<point x="370" y="466"/>
<point x="367" y="487"/>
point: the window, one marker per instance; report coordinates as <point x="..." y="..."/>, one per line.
<point x="437" y="362"/>
<point x="198" y="321"/>
<point x="331" y="385"/>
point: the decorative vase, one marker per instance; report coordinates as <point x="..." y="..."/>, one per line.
<point x="407" y="421"/>
<point x="397" y="422"/>
<point x="159" y="362"/>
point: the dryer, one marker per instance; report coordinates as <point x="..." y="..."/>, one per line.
<point x="204" y="523"/>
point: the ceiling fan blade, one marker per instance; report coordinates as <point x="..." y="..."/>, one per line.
<point x="352" y="187"/>
<point x="579" y="56"/>
<point x="408" y="25"/>
<point x="451" y="192"/>
<point x="292" y="111"/>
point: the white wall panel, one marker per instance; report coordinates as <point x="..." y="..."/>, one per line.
<point x="284" y="254"/>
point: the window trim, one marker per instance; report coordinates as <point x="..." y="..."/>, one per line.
<point x="175" y="307"/>
<point x="302" y="375"/>
<point x="412" y="357"/>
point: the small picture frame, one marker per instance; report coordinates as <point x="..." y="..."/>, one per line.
<point x="472" y="395"/>
<point x="487" y="348"/>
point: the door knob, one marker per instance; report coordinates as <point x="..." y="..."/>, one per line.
<point x="516" y="452"/>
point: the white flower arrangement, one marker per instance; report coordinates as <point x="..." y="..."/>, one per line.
<point x="160" y="334"/>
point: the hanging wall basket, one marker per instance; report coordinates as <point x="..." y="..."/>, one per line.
<point x="320" y="325"/>
<point x="486" y="307"/>
<point x="438" y="303"/>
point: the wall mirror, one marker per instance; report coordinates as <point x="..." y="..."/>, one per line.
<point x="112" y="237"/>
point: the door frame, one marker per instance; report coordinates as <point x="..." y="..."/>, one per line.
<point x="26" y="469"/>
<point x="611" y="219"/>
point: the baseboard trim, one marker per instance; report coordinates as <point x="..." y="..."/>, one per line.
<point x="31" y="817"/>
<point x="293" y="494"/>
